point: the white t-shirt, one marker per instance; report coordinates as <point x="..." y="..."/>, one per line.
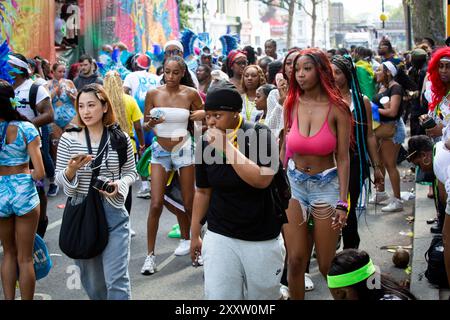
<point x="23" y="92"/>
<point x="441" y="165"/>
<point x="140" y="82"/>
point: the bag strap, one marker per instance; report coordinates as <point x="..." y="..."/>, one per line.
<point x="32" y="98"/>
<point x="99" y="157"/>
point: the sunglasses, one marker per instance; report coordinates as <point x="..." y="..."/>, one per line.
<point x="242" y="63"/>
<point x="173" y="52"/>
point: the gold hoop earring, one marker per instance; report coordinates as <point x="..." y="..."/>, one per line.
<point x="426" y="164"/>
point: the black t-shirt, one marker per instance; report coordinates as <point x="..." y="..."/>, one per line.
<point x="396" y="89"/>
<point x="238" y="210"/>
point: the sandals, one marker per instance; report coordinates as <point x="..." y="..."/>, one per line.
<point x="309" y="285"/>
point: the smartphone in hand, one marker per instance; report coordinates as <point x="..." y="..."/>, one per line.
<point x="78" y="156"/>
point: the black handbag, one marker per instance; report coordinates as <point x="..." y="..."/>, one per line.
<point x="84" y="229"/>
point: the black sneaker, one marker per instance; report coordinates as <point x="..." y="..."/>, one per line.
<point x="53" y="190"/>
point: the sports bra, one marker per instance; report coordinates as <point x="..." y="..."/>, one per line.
<point x="321" y="144"/>
<point x="16" y="153"/>
<point x="175" y="122"/>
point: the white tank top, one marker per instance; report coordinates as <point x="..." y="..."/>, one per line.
<point x="175" y="122"/>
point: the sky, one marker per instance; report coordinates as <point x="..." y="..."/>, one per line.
<point x="370" y="8"/>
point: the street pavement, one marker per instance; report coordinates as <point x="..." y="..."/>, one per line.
<point x="176" y="279"/>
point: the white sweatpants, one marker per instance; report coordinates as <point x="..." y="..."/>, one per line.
<point x="237" y="269"/>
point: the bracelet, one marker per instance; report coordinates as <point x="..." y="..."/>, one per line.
<point x="342" y="203"/>
<point x="340" y="207"/>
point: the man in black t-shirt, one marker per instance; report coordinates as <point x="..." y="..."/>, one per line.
<point x="235" y="166"/>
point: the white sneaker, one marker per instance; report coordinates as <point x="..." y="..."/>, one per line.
<point x="132" y="233"/>
<point x="200" y="260"/>
<point x="149" y="266"/>
<point x="284" y="291"/>
<point x="394" y="206"/>
<point x="184" y="248"/>
<point x="309" y="285"/>
<point x="144" y="193"/>
<point x="379" y="197"/>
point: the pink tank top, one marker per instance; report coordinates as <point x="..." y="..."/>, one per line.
<point x="321" y="144"/>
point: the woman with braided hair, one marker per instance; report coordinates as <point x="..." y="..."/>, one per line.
<point x="365" y="142"/>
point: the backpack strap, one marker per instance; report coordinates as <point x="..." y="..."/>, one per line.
<point x="32" y="97"/>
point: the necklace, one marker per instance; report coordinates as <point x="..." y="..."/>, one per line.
<point x="249" y="106"/>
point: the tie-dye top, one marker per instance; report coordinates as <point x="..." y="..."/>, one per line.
<point x="15" y="153"/>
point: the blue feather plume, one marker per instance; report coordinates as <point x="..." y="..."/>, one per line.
<point x="5" y="67"/>
<point x="229" y="43"/>
<point x="204" y="40"/>
<point x="188" y="38"/>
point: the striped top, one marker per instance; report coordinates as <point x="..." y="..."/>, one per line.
<point x="72" y="143"/>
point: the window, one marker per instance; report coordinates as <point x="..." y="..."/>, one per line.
<point x="221" y="6"/>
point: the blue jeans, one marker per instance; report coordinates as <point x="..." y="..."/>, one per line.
<point x="45" y="151"/>
<point x="106" y="276"/>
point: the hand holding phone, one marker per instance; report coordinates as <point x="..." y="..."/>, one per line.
<point x="78" y="156"/>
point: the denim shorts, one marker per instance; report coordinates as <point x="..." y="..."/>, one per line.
<point x="18" y="195"/>
<point x="179" y="157"/>
<point x="313" y="189"/>
<point x="400" y="131"/>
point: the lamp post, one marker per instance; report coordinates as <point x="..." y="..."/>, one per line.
<point x="203" y="15"/>
<point x="382" y="10"/>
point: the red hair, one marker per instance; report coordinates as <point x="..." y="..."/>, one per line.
<point x="285" y="60"/>
<point x="438" y="88"/>
<point x="327" y="83"/>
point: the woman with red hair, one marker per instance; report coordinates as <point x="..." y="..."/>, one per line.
<point x="318" y="133"/>
<point x="439" y="107"/>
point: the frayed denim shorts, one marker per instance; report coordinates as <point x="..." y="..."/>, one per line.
<point x="313" y="189"/>
<point x="179" y="157"/>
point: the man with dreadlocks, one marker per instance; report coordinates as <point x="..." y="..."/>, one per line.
<point x="365" y="142"/>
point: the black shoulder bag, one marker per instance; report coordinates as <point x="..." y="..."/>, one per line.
<point x="84" y="229"/>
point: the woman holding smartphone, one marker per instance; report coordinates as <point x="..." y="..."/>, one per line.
<point x="105" y="276"/>
<point x="168" y="110"/>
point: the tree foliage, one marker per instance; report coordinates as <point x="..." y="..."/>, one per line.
<point x="184" y="10"/>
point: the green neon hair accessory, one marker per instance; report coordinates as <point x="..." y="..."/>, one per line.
<point x="348" y="279"/>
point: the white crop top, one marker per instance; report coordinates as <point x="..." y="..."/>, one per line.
<point x="175" y="122"/>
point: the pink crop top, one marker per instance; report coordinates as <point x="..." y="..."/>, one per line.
<point x="321" y="144"/>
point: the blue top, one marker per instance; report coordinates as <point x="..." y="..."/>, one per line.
<point x="16" y="153"/>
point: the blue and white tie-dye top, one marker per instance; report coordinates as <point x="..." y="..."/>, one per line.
<point x="15" y="153"/>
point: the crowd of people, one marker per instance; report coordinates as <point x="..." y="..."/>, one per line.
<point x="289" y="146"/>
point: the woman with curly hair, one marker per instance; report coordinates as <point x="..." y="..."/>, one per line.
<point x="318" y="133"/>
<point x="253" y="77"/>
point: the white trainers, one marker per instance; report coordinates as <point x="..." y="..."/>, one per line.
<point x="149" y="266"/>
<point x="132" y="233"/>
<point x="144" y="193"/>
<point x="184" y="248"/>
<point x="309" y="285"/>
<point x="394" y="206"/>
<point x="379" y="197"/>
<point x="284" y="292"/>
